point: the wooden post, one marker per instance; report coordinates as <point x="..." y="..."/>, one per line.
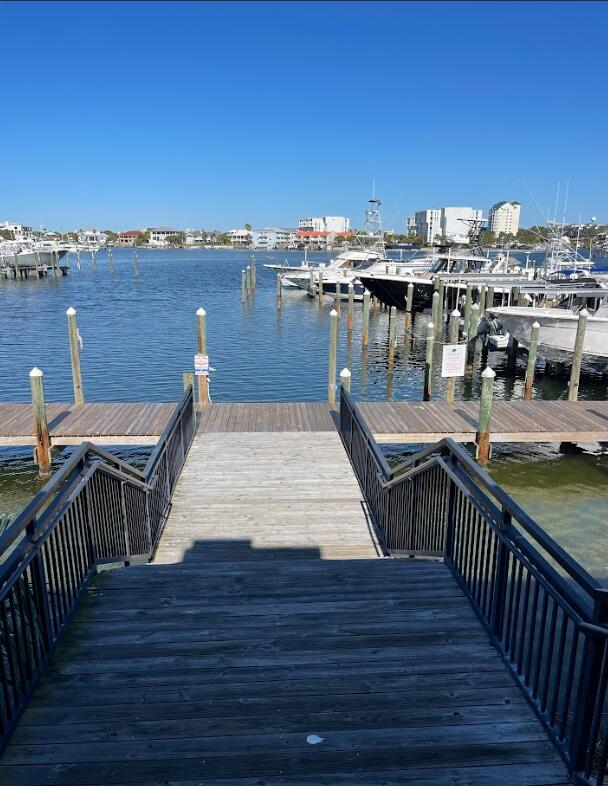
<point x="75" y="356"/>
<point x="472" y="336"/>
<point x="333" y="354"/>
<point x="279" y="291"/>
<point x="512" y="353"/>
<point x="366" y="303"/>
<point x="94" y="260"/>
<point x="311" y="283"/>
<point x="253" y="273"/>
<point x="38" y="266"/>
<point x="243" y="286"/>
<point x="338" y="293"/>
<point x="531" y="361"/>
<point x="392" y="334"/>
<point x="409" y="302"/>
<point x="248" y="279"/>
<point x="320" y="287"/>
<point x="482" y="438"/>
<point x="482" y="300"/>
<point x="428" y="364"/>
<point x="515" y="296"/>
<point x="468" y="302"/>
<point x="42" y="453"/>
<point x="351" y="307"/>
<point x="135" y="263"/>
<point x="441" y="290"/>
<point x="577" y="357"/>
<point x="77" y="261"/>
<point x="454" y="326"/>
<point x="17" y="271"/>
<point x="435" y="313"/>
<point x="54" y="260"/>
<point x="110" y="261"/>
<point x="201" y="348"/>
<point x="489" y="298"/>
<point x="345" y="377"/>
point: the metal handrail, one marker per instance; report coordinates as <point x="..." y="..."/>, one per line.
<point x="97" y="508"/>
<point x="550" y="628"/>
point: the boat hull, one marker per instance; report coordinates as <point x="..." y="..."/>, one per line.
<point x="392" y="290"/>
<point x="557" y="332"/>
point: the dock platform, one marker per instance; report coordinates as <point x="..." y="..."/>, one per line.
<point x="269" y="643"/>
<point x="109" y="424"/>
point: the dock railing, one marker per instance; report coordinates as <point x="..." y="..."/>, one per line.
<point x="95" y="509"/>
<point x="543" y="612"/>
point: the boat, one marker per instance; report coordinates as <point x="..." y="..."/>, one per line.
<point x="30" y="254"/>
<point x="558" y="326"/>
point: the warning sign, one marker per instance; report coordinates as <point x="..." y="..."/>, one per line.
<point x="201" y="365"/>
<point x="453" y="360"/>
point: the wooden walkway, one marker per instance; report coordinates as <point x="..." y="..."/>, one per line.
<point x="512" y="421"/>
<point x="240" y="658"/>
<point x="139" y="424"/>
<point x="310" y="416"/>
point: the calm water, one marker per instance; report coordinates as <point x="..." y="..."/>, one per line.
<point x="139" y="335"/>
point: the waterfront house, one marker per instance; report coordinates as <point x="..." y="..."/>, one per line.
<point x="17" y="231"/>
<point x="273" y="237"/>
<point x="92" y="237"/>
<point x="194" y="237"/>
<point x="240" y="237"/>
<point x="128" y="238"/>
<point x="159" y="236"/>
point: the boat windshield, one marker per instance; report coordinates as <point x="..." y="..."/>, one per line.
<point x="455" y="265"/>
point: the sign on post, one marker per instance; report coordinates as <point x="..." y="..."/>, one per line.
<point x="453" y="360"/>
<point x="201" y="365"/>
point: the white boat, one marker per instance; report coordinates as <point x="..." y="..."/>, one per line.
<point x="558" y="330"/>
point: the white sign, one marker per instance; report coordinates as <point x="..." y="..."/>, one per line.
<point x="201" y="365"/>
<point x="453" y="360"/>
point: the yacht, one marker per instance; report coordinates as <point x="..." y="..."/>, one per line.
<point x="30" y="253"/>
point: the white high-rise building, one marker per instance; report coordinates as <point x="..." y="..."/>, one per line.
<point x="504" y="218"/>
<point x="445" y="222"/>
<point x="325" y="224"/>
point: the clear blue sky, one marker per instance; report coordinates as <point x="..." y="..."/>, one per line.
<point x="215" y="114"/>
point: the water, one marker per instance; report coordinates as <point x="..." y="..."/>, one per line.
<point x="139" y="336"/>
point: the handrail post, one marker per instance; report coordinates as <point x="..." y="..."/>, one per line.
<point x="41" y="593"/>
<point x="500" y="580"/>
<point x="587" y="698"/>
<point x="188" y="380"/>
<point x="448" y="548"/>
<point x="125" y="522"/>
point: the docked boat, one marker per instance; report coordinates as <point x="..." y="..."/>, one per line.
<point x="557" y="326"/>
<point x="29" y="254"/>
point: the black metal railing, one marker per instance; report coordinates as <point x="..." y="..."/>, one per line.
<point x="545" y="614"/>
<point x="96" y="508"/>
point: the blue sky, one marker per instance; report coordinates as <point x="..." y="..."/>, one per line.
<point x="215" y="114"/>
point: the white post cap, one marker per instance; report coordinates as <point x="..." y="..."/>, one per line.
<point x="583" y="313"/>
<point x="455" y="313"/>
<point x="71" y="311"/>
<point x="536" y="324"/>
<point x="35" y="372"/>
<point x="430" y="326"/>
<point x="488" y="373"/>
<point x="351" y="285"/>
<point x="333" y="313"/>
<point x="475" y="305"/>
<point x="201" y="312"/>
<point x="345" y="373"/>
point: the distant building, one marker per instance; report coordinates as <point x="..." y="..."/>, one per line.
<point x="194" y="237"/>
<point x="159" y="236"/>
<point x="273" y="237"/>
<point x="17" y="231"/>
<point x="325" y="224"/>
<point x="240" y="237"/>
<point x="92" y="237"/>
<point x="128" y="238"/>
<point x="410" y="224"/>
<point x="445" y="222"/>
<point x="503" y="218"/>
<point x="318" y="241"/>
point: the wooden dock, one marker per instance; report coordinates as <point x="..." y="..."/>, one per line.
<point x="109" y="424"/>
<point x="269" y="644"/>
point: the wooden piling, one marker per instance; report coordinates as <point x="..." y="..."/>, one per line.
<point x="111" y="261"/>
<point x="482" y="300"/>
<point x="366" y="305"/>
<point x="243" y="286"/>
<point x="409" y="302"/>
<point x="16" y="263"/>
<point x="482" y="438"/>
<point x="454" y="328"/>
<point x="253" y="274"/>
<point x="333" y="355"/>
<point x="351" y="307"/>
<point x="435" y="313"/>
<point x="74" y="337"/>
<point x="42" y="453"/>
<point x="512" y="353"/>
<point x="248" y="279"/>
<point x="468" y="302"/>
<point x="279" y="291"/>
<point x="54" y="260"/>
<point x="345" y="378"/>
<point x="428" y="364"/>
<point x="201" y="348"/>
<point x="392" y="334"/>
<point x="94" y="260"/>
<point x="472" y="336"/>
<point x="489" y="298"/>
<point x="338" y="305"/>
<point x="135" y="264"/>
<point x="77" y="261"/>
<point x="320" y="287"/>
<point x="311" y="283"/>
<point x="577" y="357"/>
<point x="530" y="368"/>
